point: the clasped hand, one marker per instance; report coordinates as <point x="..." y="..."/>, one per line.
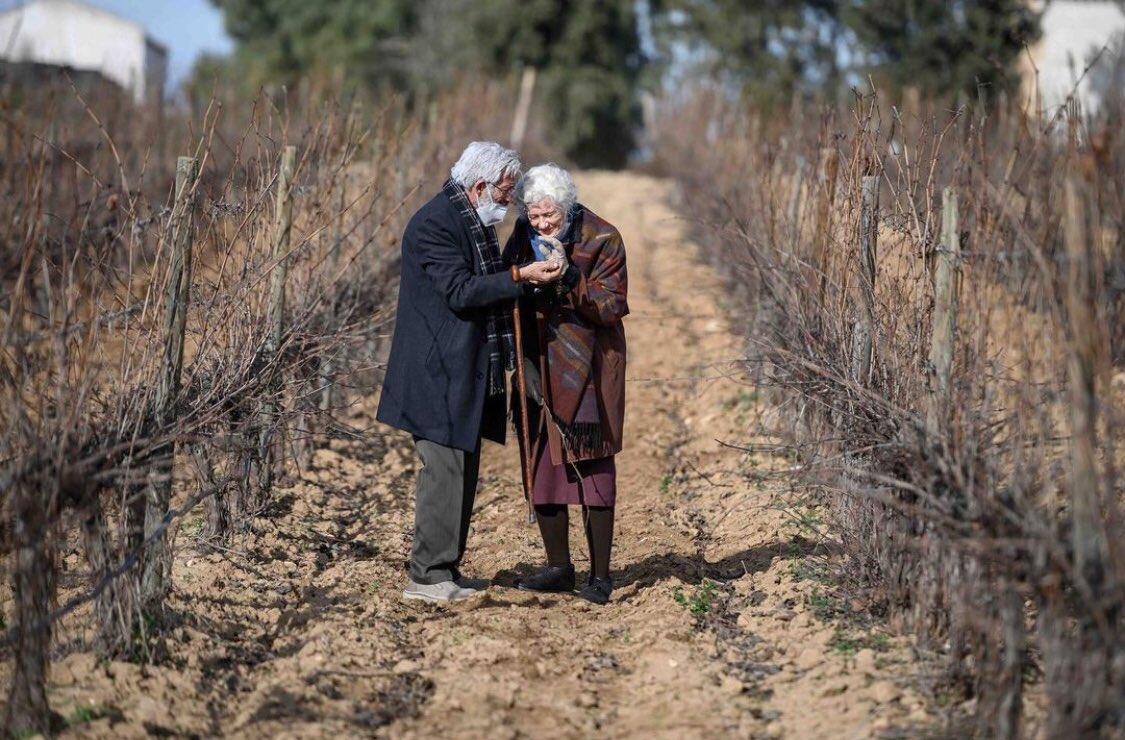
<point x="550" y="269"/>
<point x="541" y="273"/>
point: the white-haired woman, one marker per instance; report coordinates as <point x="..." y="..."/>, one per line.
<point x="575" y="350"/>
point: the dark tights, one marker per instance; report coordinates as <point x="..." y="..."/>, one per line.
<point x="554" y="525"/>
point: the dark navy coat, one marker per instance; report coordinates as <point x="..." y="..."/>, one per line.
<point x="436" y="383"/>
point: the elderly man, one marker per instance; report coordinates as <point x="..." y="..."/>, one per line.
<point x="452" y="345"/>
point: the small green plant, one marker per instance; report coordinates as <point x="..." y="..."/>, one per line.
<point x="844" y="643"/>
<point x="744" y="400"/>
<point x="806" y="569"/>
<point x="83" y="714"/>
<point x="666" y="483"/>
<point x="878" y="641"/>
<point x="143" y="629"/>
<point x="808" y="521"/>
<point x="848" y="643"/>
<point x="194" y="528"/>
<point x="700" y="602"/>
<point x="824" y="606"/>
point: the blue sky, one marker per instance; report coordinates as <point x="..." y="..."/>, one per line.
<point x="187" y="27"/>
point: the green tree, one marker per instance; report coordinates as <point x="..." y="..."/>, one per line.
<point x="283" y="40"/>
<point x="588" y="53"/>
<point x="770" y="50"/>
<point x="590" y="60"/>
<point x="775" y="48"/>
<point x="943" y="46"/>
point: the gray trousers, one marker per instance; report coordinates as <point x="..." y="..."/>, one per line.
<point x="443" y="506"/>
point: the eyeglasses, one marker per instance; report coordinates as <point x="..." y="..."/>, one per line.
<point x="502" y="192"/>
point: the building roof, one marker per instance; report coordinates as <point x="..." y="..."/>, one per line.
<point x="95" y="10"/>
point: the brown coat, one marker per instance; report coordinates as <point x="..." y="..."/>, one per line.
<point x="577" y="339"/>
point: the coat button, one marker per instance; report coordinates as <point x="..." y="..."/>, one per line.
<point x="480" y="375"/>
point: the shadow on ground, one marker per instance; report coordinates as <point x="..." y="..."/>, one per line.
<point x="685" y="569"/>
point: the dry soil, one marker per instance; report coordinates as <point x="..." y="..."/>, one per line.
<point x="725" y="620"/>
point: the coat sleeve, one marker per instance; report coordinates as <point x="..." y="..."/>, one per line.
<point x="515" y="254"/>
<point x="511" y="252"/>
<point x="452" y="272"/>
<point x="600" y="296"/>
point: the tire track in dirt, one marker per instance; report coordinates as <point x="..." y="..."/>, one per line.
<point x="724" y="621"/>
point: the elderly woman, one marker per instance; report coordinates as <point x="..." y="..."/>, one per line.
<point x="574" y="344"/>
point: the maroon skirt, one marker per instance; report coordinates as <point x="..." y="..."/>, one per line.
<point x="586" y="482"/>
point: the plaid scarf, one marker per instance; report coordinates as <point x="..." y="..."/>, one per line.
<point x="501" y="345"/>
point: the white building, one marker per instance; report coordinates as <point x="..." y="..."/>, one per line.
<point x="74" y="34"/>
<point x="1073" y="32"/>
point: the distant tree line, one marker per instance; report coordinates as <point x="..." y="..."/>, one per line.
<point x="595" y="56"/>
<point x="777" y="48"/>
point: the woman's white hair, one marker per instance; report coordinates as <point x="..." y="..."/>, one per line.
<point x="485" y="160"/>
<point x="547" y="182"/>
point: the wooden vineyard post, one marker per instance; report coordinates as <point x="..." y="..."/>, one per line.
<point x="523" y="105"/>
<point x="99" y="556"/>
<point x="947" y="264"/>
<point x="327" y="367"/>
<point x="1012" y="664"/>
<point x="268" y="439"/>
<point x="863" y="336"/>
<point x="28" y="711"/>
<point x="793" y="215"/>
<point x="156" y="566"/>
<point x="829" y="166"/>
<point x="1088" y="537"/>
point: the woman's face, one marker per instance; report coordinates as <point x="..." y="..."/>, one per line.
<point x="545" y="217"/>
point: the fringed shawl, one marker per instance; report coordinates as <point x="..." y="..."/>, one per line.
<point x="582" y="339"/>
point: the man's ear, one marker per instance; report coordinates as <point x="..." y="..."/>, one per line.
<point x="477" y="190"/>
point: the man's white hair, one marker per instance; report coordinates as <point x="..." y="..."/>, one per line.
<point x="485" y="160"/>
<point x="547" y="182"/>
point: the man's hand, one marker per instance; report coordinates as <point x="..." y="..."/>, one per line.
<point x="541" y="273"/>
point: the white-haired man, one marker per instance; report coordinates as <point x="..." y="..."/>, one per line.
<point x="451" y="347"/>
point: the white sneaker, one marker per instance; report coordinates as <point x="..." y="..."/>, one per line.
<point x="443" y="592"/>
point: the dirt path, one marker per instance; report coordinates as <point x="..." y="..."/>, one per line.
<point x="724" y="622"/>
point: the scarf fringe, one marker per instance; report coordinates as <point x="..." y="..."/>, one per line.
<point x="584" y="439"/>
<point x="579" y="440"/>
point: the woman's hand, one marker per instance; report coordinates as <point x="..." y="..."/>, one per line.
<point x="558" y="253"/>
<point x="541" y="273"/>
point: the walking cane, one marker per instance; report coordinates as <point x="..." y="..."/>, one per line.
<point x="525" y="432"/>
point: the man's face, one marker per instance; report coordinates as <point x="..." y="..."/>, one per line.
<point x="501" y="191"/>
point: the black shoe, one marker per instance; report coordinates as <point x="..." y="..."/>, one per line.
<point x="597" y="590"/>
<point x="552" y="579"/>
